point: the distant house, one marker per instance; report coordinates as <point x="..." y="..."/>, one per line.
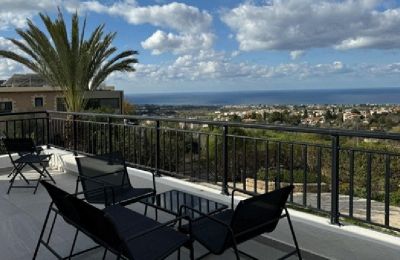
<point x="350" y="116"/>
<point x="30" y="92"/>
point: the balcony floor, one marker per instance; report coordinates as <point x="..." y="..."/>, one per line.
<point x="23" y="213"/>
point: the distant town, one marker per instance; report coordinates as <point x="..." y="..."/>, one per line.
<point x="372" y="117"/>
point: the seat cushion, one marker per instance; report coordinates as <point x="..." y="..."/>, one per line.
<point x="212" y="235"/>
<point x="154" y="245"/>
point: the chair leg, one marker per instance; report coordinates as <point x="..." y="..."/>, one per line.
<point x="44" y="173"/>
<point x="48" y="174"/>
<point x="179" y="254"/>
<point x="11" y="173"/>
<point x="37" y="184"/>
<point x="24" y="178"/>
<point x="191" y="251"/>
<point x="42" y="232"/>
<point x="73" y="244"/>
<point x="12" y="182"/>
<point x="236" y="252"/>
<point x="105" y="254"/>
<point x="18" y="170"/>
<point x="52" y="227"/>
<point x="293" y="234"/>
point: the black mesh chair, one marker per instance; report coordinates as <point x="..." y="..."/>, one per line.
<point x="252" y="217"/>
<point x="123" y="232"/>
<point x="109" y="173"/>
<point x="59" y="207"/>
<point x="28" y="155"/>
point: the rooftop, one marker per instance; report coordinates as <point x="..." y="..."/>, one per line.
<point x="32" y="81"/>
<point x="25" y="80"/>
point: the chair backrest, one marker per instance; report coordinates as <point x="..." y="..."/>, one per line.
<point x="94" y="222"/>
<point x="58" y="196"/>
<point x="259" y="214"/>
<point x="19" y="145"/>
<point x="83" y="215"/>
<point x="95" y="167"/>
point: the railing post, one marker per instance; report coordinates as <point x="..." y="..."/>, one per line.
<point x="225" y="159"/>
<point x="109" y="126"/>
<point x="48" y="129"/>
<point x="157" y="153"/>
<point x="75" y="134"/>
<point x="335" y="180"/>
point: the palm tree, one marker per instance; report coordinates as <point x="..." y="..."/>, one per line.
<point x="74" y="63"/>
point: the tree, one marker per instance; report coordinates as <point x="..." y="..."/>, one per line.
<point x="275" y="116"/>
<point x="128" y="108"/>
<point x="305" y="113"/>
<point x="72" y="62"/>
<point x="355" y="111"/>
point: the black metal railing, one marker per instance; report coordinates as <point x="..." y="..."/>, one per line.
<point x="353" y="174"/>
<point x="25" y="124"/>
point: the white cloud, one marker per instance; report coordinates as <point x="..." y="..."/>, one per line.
<point x="235" y="53"/>
<point x="161" y="42"/>
<point x="191" y="25"/>
<point x="13" y="13"/>
<point x="296" y="54"/>
<point x="178" y="16"/>
<point x="9" y="67"/>
<point x="5" y="44"/>
<point x="304" y="24"/>
<point x="220" y="66"/>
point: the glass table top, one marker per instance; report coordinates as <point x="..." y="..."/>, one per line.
<point x="171" y="201"/>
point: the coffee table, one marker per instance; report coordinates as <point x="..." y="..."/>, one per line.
<point x="172" y="200"/>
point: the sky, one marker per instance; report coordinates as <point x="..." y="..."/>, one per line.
<point x="235" y="45"/>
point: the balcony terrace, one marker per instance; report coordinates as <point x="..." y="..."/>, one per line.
<point x="210" y="163"/>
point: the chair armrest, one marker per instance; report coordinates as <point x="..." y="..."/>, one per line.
<point x="228" y="227"/>
<point x="94" y="179"/>
<point x="100" y="175"/>
<point x="242" y="191"/>
<point x="147" y="231"/>
<point x="94" y="191"/>
<point x="103" y="189"/>
<point x="203" y="215"/>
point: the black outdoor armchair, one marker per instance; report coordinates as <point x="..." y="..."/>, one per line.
<point x="121" y="231"/>
<point x="27" y="155"/>
<point x="109" y="172"/>
<point x="252" y="217"/>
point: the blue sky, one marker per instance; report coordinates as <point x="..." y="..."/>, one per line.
<point x="224" y="45"/>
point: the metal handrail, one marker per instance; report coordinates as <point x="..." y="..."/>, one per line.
<point x="296" y="129"/>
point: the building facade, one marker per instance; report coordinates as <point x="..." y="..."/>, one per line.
<point x="29" y="92"/>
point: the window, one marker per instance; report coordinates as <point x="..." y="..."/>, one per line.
<point x="38" y="101"/>
<point x="5" y="107"/>
<point x="60" y="102"/>
<point x="95" y="103"/>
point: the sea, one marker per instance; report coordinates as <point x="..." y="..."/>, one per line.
<point x="270" y="97"/>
